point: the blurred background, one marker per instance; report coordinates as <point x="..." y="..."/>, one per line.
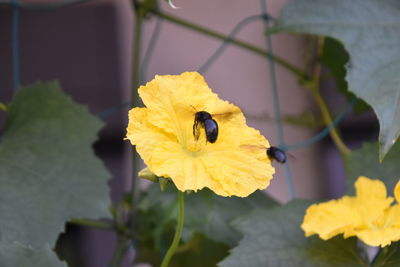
<point x="87" y="47"/>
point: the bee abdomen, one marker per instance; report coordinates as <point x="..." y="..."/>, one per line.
<point x="277" y="154"/>
<point x="211" y="128"/>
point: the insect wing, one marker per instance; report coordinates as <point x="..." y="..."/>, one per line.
<point x="223" y="116"/>
<point x="252" y="147"/>
<point x="291" y="157"/>
<point x="226" y="113"/>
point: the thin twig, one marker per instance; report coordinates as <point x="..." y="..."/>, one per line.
<point x="326" y="115"/>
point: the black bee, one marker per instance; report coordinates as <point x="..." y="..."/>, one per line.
<point x="204" y="119"/>
<point x="277" y="154"/>
<point x="273" y="153"/>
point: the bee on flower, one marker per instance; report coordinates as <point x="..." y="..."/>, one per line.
<point x="196" y="153"/>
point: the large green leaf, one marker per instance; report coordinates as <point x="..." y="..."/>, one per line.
<point x="365" y="162"/>
<point x="274" y="238"/>
<point x="49" y="173"/>
<point x="211" y="214"/>
<point x="18" y="255"/>
<point x="205" y="212"/>
<point x="370" y="32"/>
<point x="335" y="57"/>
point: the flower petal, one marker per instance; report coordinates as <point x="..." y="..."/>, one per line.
<point x="174" y="100"/>
<point x="370" y="189"/>
<point x="164" y="136"/>
<point x="330" y="218"/>
<point x="369" y="216"/>
<point x="146" y="136"/>
<point x="371" y="201"/>
<point x="397" y="192"/>
<point x="237" y="173"/>
<point x="393" y="216"/>
<point x="223" y="166"/>
<point x="379" y="237"/>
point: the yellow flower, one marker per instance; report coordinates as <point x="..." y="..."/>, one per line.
<point x="369" y="215"/>
<point x="163" y="135"/>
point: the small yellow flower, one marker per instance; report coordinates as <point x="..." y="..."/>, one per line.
<point x="369" y="215"/>
<point x="163" y="135"/>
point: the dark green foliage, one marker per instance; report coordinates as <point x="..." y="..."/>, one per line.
<point x="335" y="58"/>
<point x="207" y="223"/>
<point x="18" y="255"/>
<point x="274" y="238"/>
<point x="365" y="162"/>
<point x="49" y="173"/>
<point x="370" y="32"/>
<point x="388" y="256"/>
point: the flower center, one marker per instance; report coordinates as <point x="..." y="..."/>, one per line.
<point x="378" y="222"/>
<point x="195" y="145"/>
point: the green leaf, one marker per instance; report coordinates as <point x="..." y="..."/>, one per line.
<point x="49" y="173"/>
<point x="211" y="214"/>
<point x="274" y="238"/>
<point x="16" y="254"/>
<point x="388" y="256"/>
<point x="200" y="251"/>
<point x="335" y="57"/>
<point x="365" y="162"/>
<point x="205" y="212"/>
<point x="370" y="32"/>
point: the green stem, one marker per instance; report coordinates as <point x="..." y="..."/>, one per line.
<point x="119" y="252"/>
<point x="178" y="233"/>
<point x="93" y="223"/>
<point x="326" y="115"/>
<point x="298" y="72"/>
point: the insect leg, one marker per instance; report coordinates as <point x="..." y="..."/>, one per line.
<point x="194" y="127"/>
